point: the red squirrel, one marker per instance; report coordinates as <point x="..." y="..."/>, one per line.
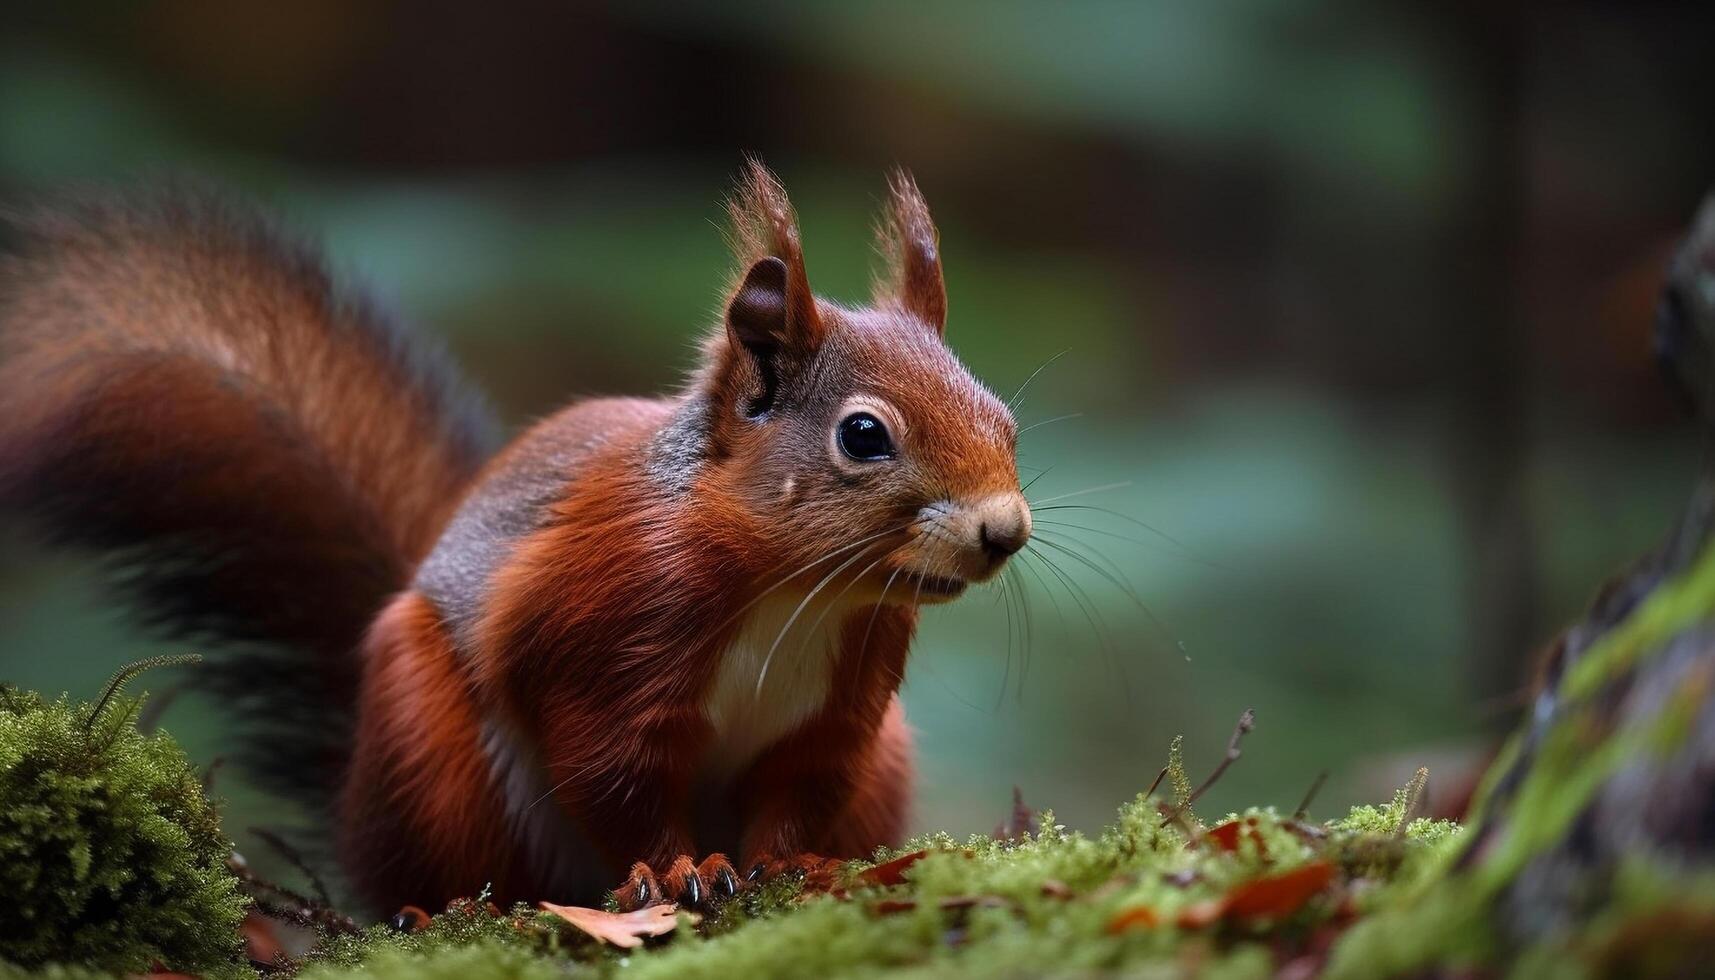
<point x="649" y="634"/>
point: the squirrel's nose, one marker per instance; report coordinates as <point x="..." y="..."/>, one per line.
<point x="1005" y="530"/>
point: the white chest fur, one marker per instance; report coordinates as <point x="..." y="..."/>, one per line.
<point x="772" y="678"/>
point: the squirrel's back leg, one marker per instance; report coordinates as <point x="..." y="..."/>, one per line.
<point x="421" y="819"/>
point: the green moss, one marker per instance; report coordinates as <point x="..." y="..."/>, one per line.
<point x="465" y="923"/>
<point x="483" y="959"/>
<point x="110" y="855"/>
<point x="109" y="828"/>
<point x="1042" y="905"/>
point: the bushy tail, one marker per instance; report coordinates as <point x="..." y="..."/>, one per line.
<point x="261" y="456"/>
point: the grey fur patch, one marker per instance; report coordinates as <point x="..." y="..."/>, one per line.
<point x="677" y="452"/>
<point x="559" y="852"/>
<point x="509" y="504"/>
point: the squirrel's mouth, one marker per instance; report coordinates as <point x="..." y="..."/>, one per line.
<point x="934" y="587"/>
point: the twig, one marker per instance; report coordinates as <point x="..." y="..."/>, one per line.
<point x="1152" y="786"/>
<point x="280" y="902"/>
<point x="1020" y="823"/>
<point x="296" y="858"/>
<point x="1247" y="721"/>
<point x="1310" y="795"/>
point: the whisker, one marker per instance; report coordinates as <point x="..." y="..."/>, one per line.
<point x="1122" y="585"/>
<point x="1057" y="418"/>
<point x="1006" y="676"/>
<point x="1010" y="575"/>
<point x="1058" y="612"/>
<point x="579" y="771"/>
<point x="1154" y="546"/>
<point x="838" y="595"/>
<point x="1079" y="493"/>
<point x="1066" y="539"/>
<point x="929" y="665"/>
<point x="1032" y="481"/>
<point x="827" y="557"/>
<point x="762" y="675"/>
<point x="1163" y="535"/>
<point x="881" y="601"/>
<point x="1087" y="606"/>
<point x="1012" y="403"/>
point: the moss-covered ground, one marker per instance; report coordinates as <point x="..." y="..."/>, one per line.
<point x="1157" y="890"/>
<point x="116" y="864"/>
<point x="113" y="863"/>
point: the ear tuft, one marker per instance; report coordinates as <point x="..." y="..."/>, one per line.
<point x="763" y="229"/>
<point x="910" y="277"/>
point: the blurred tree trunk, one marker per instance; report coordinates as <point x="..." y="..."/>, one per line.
<point x="1591" y="850"/>
<point x="1487" y="344"/>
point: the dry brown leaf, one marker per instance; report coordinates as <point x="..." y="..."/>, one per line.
<point x="623" y="929"/>
<point x="1278" y="896"/>
<point x="1136" y="917"/>
<point x="1226" y="837"/>
<point x="893" y="872"/>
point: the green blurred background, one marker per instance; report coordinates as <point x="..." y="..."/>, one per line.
<point x="1354" y="299"/>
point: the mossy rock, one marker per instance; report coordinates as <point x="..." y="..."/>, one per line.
<point x="110" y="855"/>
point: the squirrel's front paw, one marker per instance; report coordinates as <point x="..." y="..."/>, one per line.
<point x="685" y="882"/>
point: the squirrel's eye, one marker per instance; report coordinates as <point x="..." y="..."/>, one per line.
<point x="863" y="437"/>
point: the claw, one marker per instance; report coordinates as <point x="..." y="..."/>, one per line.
<point x="725" y="884"/>
<point x="756" y="872"/>
<point x="409" y="919"/>
<point x="693" y="893"/>
<point x="640" y="889"/>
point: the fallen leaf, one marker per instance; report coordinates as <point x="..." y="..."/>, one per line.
<point x="1136" y="917"/>
<point x="261" y="945"/>
<point x="823" y="875"/>
<point x="893" y="872"/>
<point x="623" y="929"/>
<point x="1227" y="836"/>
<point x="1279" y="895"/>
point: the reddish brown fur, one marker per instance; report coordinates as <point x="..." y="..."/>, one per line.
<point x="420" y="814"/>
<point x="600" y="630"/>
<point x="183" y="389"/>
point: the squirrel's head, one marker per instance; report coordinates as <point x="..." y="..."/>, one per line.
<point x="859" y="446"/>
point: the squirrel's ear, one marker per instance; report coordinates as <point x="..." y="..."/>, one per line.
<point x="756" y="316"/>
<point x="761" y="336"/>
<point x="910" y="276"/>
<point x="771" y="306"/>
